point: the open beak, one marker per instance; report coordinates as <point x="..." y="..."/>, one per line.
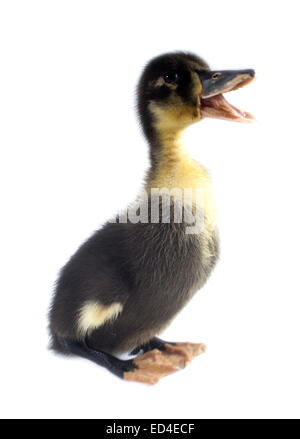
<point x="214" y="84"/>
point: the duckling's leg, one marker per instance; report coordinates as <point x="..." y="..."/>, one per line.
<point x="150" y="366"/>
<point x="147" y="368"/>
<point x="113" y="364"/>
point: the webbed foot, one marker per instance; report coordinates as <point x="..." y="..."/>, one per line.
<point x="155" y="364"/>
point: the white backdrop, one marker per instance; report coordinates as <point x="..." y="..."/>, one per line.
<point x="72" y="154"/>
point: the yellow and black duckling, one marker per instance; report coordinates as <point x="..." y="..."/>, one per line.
<point x="127" y="282"/>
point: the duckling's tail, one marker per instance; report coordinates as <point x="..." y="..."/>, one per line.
<point x="56" y="346"/>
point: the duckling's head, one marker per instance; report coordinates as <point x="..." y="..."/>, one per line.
<point x="178" y="89"/>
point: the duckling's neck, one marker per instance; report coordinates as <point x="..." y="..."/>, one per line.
<point x="171" y="165"/>
<point x="172" y="168"/>
<point x="166" y="153"/>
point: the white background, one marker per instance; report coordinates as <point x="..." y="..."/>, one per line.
<point x="72" y="154"/>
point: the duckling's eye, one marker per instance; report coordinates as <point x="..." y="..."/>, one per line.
<point x="216" y="75"/>
<point x="170" y="77"/>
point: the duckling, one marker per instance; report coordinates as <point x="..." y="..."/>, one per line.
<point x="129" y="280"/>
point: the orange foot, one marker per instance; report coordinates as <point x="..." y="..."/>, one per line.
<point x="155" y="364"/>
